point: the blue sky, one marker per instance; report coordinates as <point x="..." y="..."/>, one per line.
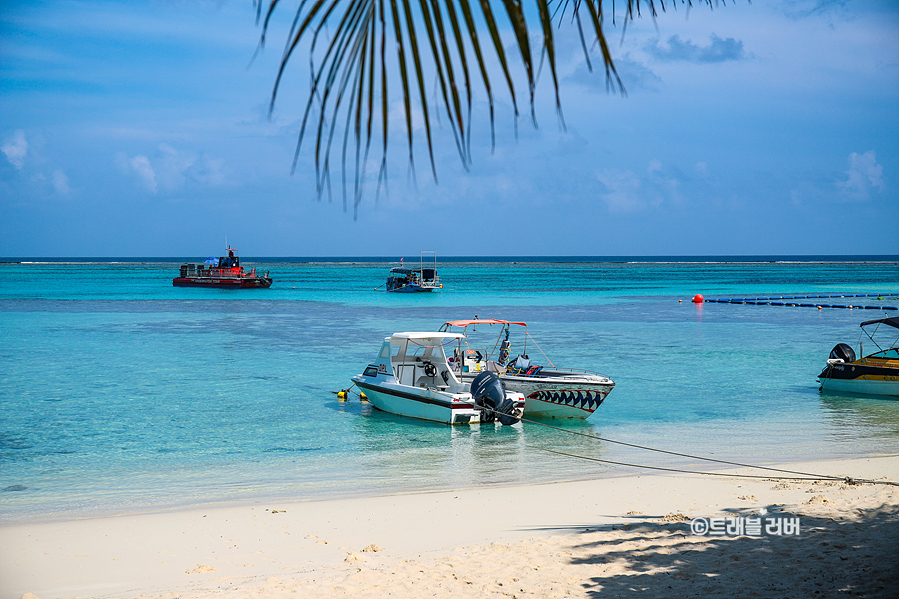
<point x="141" y="128"/>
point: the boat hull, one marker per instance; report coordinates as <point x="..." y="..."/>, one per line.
<point x="563" y="397"/>
<point x="422" y="403"/>
<point x="223" y="282"/>
<point x="861" y="377"/>
<point x="861" y="387"/>
<point x="411" y="289"/>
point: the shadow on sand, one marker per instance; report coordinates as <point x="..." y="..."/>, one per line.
<point x="855" y="555"/>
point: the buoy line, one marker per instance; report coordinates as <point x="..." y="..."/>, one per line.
<point x="775" y="301"/>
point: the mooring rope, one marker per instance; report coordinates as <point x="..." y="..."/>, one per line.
<point x="683" y="455"/>
<point x="804" y="476"/>
<point x="809" y="477"/>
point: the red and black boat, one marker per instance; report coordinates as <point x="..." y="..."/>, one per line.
<point x="223" y="273"/>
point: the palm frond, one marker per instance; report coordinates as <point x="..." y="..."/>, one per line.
<point x="349" y="76"/>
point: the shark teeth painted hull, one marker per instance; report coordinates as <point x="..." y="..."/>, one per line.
<point x="576" y="397"/>
<point x="564" y="403"/>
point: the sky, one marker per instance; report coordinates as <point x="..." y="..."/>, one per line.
<point x="142" y="128"/>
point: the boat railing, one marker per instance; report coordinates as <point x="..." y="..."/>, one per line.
<point x="566" y="371"/>
<point x="487" y="357"/>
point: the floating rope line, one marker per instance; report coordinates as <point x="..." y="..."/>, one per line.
<point x="775" y="301"/>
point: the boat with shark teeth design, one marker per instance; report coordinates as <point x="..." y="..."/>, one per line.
<point x="549" y="391"/>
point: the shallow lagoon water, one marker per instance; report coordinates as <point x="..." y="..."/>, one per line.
<point x="120" y="393"/>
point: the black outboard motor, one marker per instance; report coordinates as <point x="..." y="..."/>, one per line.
<point x="843" y="352"/>
<point x="489" y="392"/>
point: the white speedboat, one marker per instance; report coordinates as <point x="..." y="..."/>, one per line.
<point x="548" y="390"/>
<point x="411" y="377"/>
<point x="874" y="374"/>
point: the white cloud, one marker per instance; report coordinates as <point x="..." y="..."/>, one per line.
<point x="171" y="169"/>
<point x="627" y="191"/>
<point x="140" y="166"/>
<point x="15" y="148"/>
<point x="60" y="182"/>
<point x="863" y="175"/>
<point x="623" y="188"/>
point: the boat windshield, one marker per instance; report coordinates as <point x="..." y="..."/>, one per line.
<point x="412" y="347"/>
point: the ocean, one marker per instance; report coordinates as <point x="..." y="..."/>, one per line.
<point x="122" y="394"/>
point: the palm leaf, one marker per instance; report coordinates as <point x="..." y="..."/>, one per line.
<point x="349" y="77"/>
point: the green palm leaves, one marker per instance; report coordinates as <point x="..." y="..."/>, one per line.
<point x="360" y="49"/>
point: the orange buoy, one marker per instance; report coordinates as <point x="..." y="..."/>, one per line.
<point x="698" y="299"/>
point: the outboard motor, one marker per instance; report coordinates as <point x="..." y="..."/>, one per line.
<point x="844" y="352"/>
<point x="489" y="392"/>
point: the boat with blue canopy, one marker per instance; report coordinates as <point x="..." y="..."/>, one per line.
<point x="402" y="279"/>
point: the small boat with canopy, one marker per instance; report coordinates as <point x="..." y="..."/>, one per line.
<point x="874" y="374"/>
<point x="411" y="377"/>
<point x="401" y="279"/>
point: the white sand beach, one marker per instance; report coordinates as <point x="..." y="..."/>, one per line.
<point x="608" y="537"/>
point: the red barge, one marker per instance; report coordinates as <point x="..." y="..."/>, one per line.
<point x="224" y="273"/>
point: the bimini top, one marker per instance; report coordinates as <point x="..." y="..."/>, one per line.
<point x="427" y="335"/>
<point x="465" y="323"/>
<point x="892" y="321"/>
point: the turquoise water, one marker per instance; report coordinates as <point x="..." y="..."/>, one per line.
<point x="120" y="393"/>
